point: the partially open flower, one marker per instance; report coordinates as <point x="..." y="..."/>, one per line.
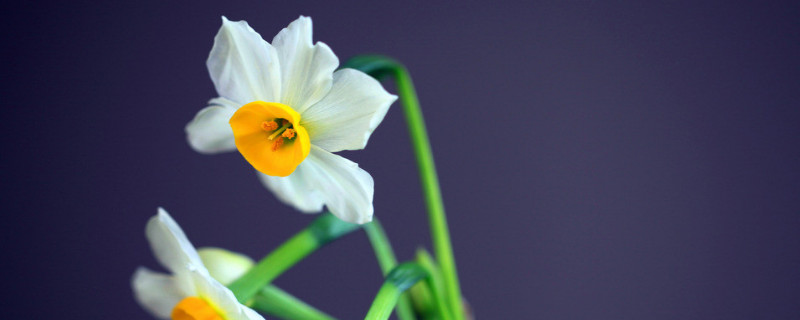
<point x="286" y="110"/>
<point x="189" y="292"/>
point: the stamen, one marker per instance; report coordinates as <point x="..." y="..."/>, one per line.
<point x="277" y="144"/>
<point x="289" y="133"/>
<point x="286" y="125"/>
<point x="269" y="125"/>
<point x="285" y="122"/>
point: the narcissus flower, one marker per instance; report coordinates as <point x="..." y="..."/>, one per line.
<point x="286" y="110"/>
<point x="189" y="293"/>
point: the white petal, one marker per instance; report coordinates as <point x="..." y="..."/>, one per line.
<point x="222" y="298"/>
<point x="345" y="118"/>
<point x="306" y="69"/>
<point x="209" y="131"/>
<point x="243" y="67"/>
<point x="346" y="188"/>
<point x="170" y="245"/>
<point x="324" y="178"/>
<point x="298" y="189"/>
<point x="156" y="292"/>
<point x="223" y="265"/>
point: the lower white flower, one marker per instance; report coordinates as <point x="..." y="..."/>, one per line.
<point x="190" y="292"/>
<point x="286" y="111"/>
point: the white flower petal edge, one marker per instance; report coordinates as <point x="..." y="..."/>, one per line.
<point x="306" y="68"/>
<point x="209" y="131"/>
<point x="223" y="299"/>
<point x="169" y="244"/>
<point x="159" y="293"/>
<point x="242" y="65"/>
<point x="298" y="190"/>
<point x="348" y="188"/>
<point x="346" y="117"/>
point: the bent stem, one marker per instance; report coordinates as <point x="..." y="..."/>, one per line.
<point x="434" y="285"/>
<point x="430" y="186"/>
<point x="378" y="67"/>
<point x="397" y="281"/>
<point x="387" y="261"/>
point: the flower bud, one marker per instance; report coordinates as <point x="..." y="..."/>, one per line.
<point x="223" y="265"/>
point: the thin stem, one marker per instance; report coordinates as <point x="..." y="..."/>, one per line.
<point x="380" y="67"/>
<point x="430" y="187"/>
<point x="276" y="302"/>
<point x="274" y="264"/>
<point x="384" y="302"/>
<point x="321" y="231"/>
<point x="397" y="281"/>
<point x="380" y="243"/>
<point x="434" y="284"/>
<point x="387" y="261"/>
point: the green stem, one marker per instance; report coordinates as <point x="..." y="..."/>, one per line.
<point x="430" y="186"/>
<point x="320" y="232"/>
<point x="384" y="303"/>
<point x="434" y="284"/>
<point x="397" y="281"/>
<point x="276" y="302"/>
<point x="387" y="261"/>
<point x="379" y="67"/>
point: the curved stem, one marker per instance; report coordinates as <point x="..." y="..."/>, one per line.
<point x="387" y="261"/>
<point x="430" y="188"/>
<point x="397" y="281"/>
<point x="434" y="284"/>
<point x="379" y="67"/>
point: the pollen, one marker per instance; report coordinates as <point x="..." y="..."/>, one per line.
<point x="270" y="137"/>
<point x="289" y="133"/>
<point x="194" y="308"/>
<point x="269" y="125"/>
<point x="277" y="144"/>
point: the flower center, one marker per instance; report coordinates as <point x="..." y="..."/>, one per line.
<point x="194" y="308"/>
<point x="285" y="131"/>
<point x="270" y="137"/>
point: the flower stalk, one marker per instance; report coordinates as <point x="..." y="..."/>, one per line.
<point x="434" y="286"/>
<point x="320" y="232"/>
<point x="397" y="281"/>
<point x="387" y="261"/>
<point x="379" y="67"/>
<point x="276" y="302"/>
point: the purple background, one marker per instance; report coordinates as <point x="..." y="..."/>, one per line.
<point x="599" y="160"/>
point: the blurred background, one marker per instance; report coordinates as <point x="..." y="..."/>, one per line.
<point x="598" y="159"/>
